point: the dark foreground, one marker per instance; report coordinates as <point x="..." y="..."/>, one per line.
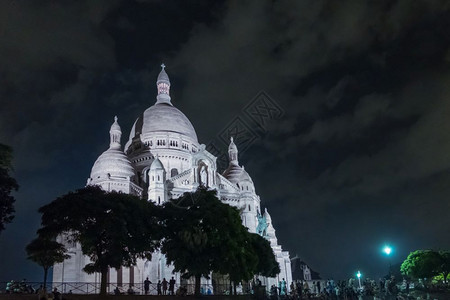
<point x="416" y="296"/>
<point x="121" y="297"/>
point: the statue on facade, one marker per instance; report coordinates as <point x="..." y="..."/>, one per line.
<point x="203" y="176"/>
<point x="261" y="229"/>
<point x="306" y="272"/>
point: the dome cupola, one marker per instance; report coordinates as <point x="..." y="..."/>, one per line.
<point x="233" y="153"/>
<point x="163" y="85"/>
<point x="115" y="133"/>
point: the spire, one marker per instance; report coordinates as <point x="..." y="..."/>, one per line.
<point x="115" y="134"/>
<point x="156" y="164"/>
<point x="163" y="85"/>
<point x="266" y="214"/>
<point x="233" y="153"/>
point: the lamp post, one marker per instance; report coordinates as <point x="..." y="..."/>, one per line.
<point x="388" y="250"/>
<point x="359" y="279"/>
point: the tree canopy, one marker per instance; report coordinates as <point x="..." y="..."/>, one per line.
<point x="7" y="185"/>
<point x="267" y="265"/>
<point x="426" y="264"/>
<point x="113" y="229"/>
<point x="46" y="253"/>
<point x="203" y="235"/>
<point x="251" y="254"/>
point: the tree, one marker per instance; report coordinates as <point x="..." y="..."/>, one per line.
<point x="445" y="264"/>
<point x="113" y="229"/>
<point x="422" y="264"/>
<point x="242" y="261"/>
<point x="204" y="235"/>
<point x="46" y="253"/>
<point x="7" y="185"/>
<point x="252" y="255"/>
<point x="267" y="264"/>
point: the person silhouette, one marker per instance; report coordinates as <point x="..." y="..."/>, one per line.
<point x="164" y="286"/>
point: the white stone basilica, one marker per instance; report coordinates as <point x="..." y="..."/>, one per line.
<point x="162" y="160"/>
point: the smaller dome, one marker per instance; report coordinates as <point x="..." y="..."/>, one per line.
<point x="114" y="163"/>
<point x="233" y="173"/>
<point x="156" y="165"/>
<point x="236" y="174"/>
<point x="245" y="176"/>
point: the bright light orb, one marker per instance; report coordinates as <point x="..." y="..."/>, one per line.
<point x="358" y="274"/>
<point x="387" y="250"/>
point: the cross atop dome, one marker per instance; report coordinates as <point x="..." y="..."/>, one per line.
<point x="163" y="85"/>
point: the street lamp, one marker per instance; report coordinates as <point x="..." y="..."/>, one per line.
<point x="359" y="279"/>
<point x="388" y="250"/>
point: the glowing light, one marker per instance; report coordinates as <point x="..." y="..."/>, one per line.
<point x="387" y="250"/>
<point x="358" y="274"/>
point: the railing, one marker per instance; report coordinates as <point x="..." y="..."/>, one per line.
<point x="114" y="288"/>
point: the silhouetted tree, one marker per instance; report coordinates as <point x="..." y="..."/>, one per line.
<point x="7" y="185"/>
<point x="203" y="235"/>
<point x="46" y="253"/>
<point x="267" y="264"/>
<point x="113" y="229"/>
<point x="251" y="255"/>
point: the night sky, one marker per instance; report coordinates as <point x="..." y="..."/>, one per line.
<point x="358" y="155"/>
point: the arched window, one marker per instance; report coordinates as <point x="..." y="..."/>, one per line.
<point x="249" y="208"/>
<point x="173" y="172"/>
<point x="158" y="178"/>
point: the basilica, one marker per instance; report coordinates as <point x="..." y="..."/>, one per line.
<point x="161" y="160"/>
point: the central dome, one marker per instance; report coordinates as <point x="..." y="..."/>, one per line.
<point x="163" y="117"/>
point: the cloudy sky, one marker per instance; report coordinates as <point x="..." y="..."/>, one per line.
<point x="358" y="155"/>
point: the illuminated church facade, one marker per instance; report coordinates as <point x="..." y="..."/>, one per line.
<point x="161" y="160"/>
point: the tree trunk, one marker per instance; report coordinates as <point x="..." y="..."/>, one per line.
<point x="234" y="287"/>
<point x="45" y="277"/>
<point x="104" y="278"/>
<point x="197" y="284"/>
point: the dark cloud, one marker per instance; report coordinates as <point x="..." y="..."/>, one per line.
<point x="360" y="157"/>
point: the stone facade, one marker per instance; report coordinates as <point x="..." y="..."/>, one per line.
<point x="163" y="159"/>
